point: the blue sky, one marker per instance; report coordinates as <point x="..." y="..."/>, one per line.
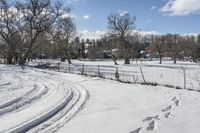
<point x="163" y="16"/>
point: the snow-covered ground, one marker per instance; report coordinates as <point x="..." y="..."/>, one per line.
<point x="45" y="101"/>
<point x="127" y="108"/>
<point x="32" y="97"/>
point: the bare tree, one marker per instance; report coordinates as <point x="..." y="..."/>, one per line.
<point x="22" y="22"/>
<point x="173" y="43"/>
<point x="64" y="31"/>
<point x="135" y="45"/>
<point x="120" y="26"/>
<point x="189" y="48"/>
<point x="7" y="30"/>
<point x="109" y="45"/>
<point x="158" y="46"/>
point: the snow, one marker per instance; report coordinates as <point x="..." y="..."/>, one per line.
<point x="186" y="119"/>
<point x="50" y="96"/>
<point x="115" y="108"/>
<point x="119" y="107"/>
<point x="50" y="100"/>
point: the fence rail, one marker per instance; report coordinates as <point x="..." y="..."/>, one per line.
<point x="180" y="77"/>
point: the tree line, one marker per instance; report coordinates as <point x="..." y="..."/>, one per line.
<point x="45" y="29"/>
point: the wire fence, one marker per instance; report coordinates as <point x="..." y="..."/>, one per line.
<point x="179" y="78"/>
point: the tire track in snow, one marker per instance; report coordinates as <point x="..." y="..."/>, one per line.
<point x="23" y="101"/>
<point x="42" y="118"/>
<point x="67" y="113"/>
<point x="70" y="99"/>
<point x="9" y="103"/>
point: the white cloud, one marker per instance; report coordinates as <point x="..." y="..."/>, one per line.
<point x="146" y="33"/>
<point x="86" y="16"/>
<point x="91" y="35"/>
<point x="153" y="7"/>
<point x="98" y="34"/>
<point x="190" y="34"/>
<point x="84" y="34"/>
<point x="72" y="1"/>
<point x="73" y="16"/>
<point x="122" y="13"/>
<point x="181" y="7"/>
<point x="67" y="15"/>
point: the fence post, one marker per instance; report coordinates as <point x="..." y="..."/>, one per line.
<point x="135" y="79"/>
<point x="69" y="67"/>
<point x="184" y="72"/>
<point x="117" y="74"/>
<point x="142" y="75"/>
<point x="82" y="72"/>
<point x="58" y="67"/>
<point x="99" y="71"/>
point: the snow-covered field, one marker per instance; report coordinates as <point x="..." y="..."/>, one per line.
<point x="181" y="75"/>
<point x="36" y="100"/>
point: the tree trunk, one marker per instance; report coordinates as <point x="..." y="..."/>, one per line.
<point x="174" y="60"/>
<point x="9" y="60"/>
<point x="160" y="59"/>
<point x="22" y="61"/>
<point x="68" y="58"/>
<point x="114" y="59"/>
<point x="9" y="57"/>
<point x="16" y="59"/>
<point x="127" y="60"/>
<point x="125" y="50"/>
